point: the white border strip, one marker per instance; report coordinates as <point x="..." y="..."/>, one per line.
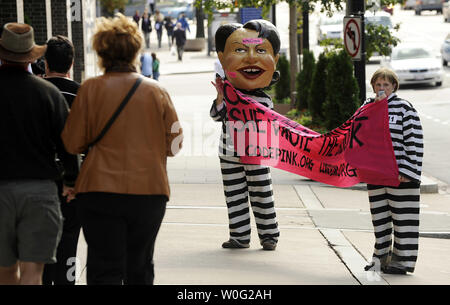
<point x="20" y="14"/>
<point x="48" y="16"/>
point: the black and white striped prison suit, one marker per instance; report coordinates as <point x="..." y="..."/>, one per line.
<point x="398" y="207"/>
<point x="241" y="181"/>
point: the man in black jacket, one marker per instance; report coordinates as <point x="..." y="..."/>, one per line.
<point x="32" y="117"/>
<point x="58" y="61"/>
<point x="180" y="39"/>
<point x="146" y="27"/>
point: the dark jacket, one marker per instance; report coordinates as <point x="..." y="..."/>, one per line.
<point x="32" y="116"/>
<point x="146" y="25"/>
<point x="67" y="87"/>
<point x="180" y="37"/>
<point x="168" y="24"/>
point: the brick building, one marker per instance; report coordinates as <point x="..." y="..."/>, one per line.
<point x="52" y="17"/>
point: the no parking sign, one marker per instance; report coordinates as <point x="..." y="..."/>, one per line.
<point x="353" y="37"/>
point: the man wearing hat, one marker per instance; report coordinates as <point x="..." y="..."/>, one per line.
<point x="32" y="117"/>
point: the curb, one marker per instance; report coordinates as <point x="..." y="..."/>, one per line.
<point x="427" y="185"/>
<point x="437" y="235"/>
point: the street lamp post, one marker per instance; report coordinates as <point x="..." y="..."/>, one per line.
<point x="357" y="8"/>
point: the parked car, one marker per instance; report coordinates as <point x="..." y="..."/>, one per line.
<point x="174" y="10"/>
<point x="428" y="5"/>
<point x="415" y="64"/>
<point x="330" y="27"/>
<point x="409" y="4"/>
<point x="446" y="11"/>
<point x="445" y="50"/>
<point x="379" y="18"/>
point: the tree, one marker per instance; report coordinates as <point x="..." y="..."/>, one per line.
<point x="379" y="39"/>
<point x="318" y="91"/>
<point x="304" y="79"/>
<point x="293" y="47"/>
<point x="342" y="97"/>
<point x="282" y="87"/>
<point x="200" y="18"/>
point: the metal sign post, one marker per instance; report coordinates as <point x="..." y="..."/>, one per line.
<point x="353" y="37"/>
<point x="354" y="42"/>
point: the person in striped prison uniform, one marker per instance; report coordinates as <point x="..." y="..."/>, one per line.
<point x="397" y="207"/>
<point x="248" y="54"/>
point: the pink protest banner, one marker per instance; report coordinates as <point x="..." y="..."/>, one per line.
<point x="360" y="150"/>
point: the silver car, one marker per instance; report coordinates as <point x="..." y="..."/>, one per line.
<point x="330" y="27"/>
<point x="445" y="50"/>
<point x="415" y="64"/>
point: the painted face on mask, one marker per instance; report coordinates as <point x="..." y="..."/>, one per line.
<point x="248" y="60"/>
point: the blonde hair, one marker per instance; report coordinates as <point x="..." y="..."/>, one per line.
<point x="386" y="74"/>
<point x="117" y="41"/>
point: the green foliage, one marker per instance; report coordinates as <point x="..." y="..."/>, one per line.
<point x="379" y="39"/>
<point x="318" y="88"/>
<point x="282" y="87"/>
<point x="304" y="79"/>
<point x="305" y="119"/>
<point x="293" y="113"/>
<point x="342" y="90"/>
<point x="325" y="5"/>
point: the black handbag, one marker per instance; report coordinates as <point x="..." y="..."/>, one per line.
<point x="116" y="114"/>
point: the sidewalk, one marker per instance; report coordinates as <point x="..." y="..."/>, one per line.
<point x="326" y="232"/>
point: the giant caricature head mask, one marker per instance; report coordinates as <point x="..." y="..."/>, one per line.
<point x="249" y="53"/>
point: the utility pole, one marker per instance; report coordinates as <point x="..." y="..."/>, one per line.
<point x="274" y="14"/>
<point x="357" y="9"/>
<point x="305" y="32"/>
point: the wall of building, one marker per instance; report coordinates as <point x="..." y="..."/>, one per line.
<point x="35" y="15"/>
<point x="8" y="12"/>
<point x="78" y="42"/>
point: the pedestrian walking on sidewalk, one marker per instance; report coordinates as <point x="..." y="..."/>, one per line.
<point x="122" y="189"/>
<point x="180" y="40"/>
<point x="136" y="17"/>
<point x="397" y="207"/>
<point x="159" y="22"/>
<point x="184" y="23"/>
<point x="58" y="61"/>
<point x="146" y="26"/>
<point x="241" y="181"/>
<point x="155" y="66"/>
<point x="32" y="113"/>
<point x="168" y="24"/>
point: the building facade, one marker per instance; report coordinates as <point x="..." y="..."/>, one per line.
<point x="72" y="18"/>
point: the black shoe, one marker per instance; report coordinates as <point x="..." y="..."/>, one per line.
<point x="370" y="267"/>
<point x="393" y="270"/>
<point x="233" y="244"/>
<point x="269" y="244"/>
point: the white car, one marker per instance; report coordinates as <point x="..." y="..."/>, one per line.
<point x="379" y="18"/>
<point x="330" y="27"/>
<point x="446" y="11"/>
<point x="445" y="51"/>
<point x="415" y="64"/>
